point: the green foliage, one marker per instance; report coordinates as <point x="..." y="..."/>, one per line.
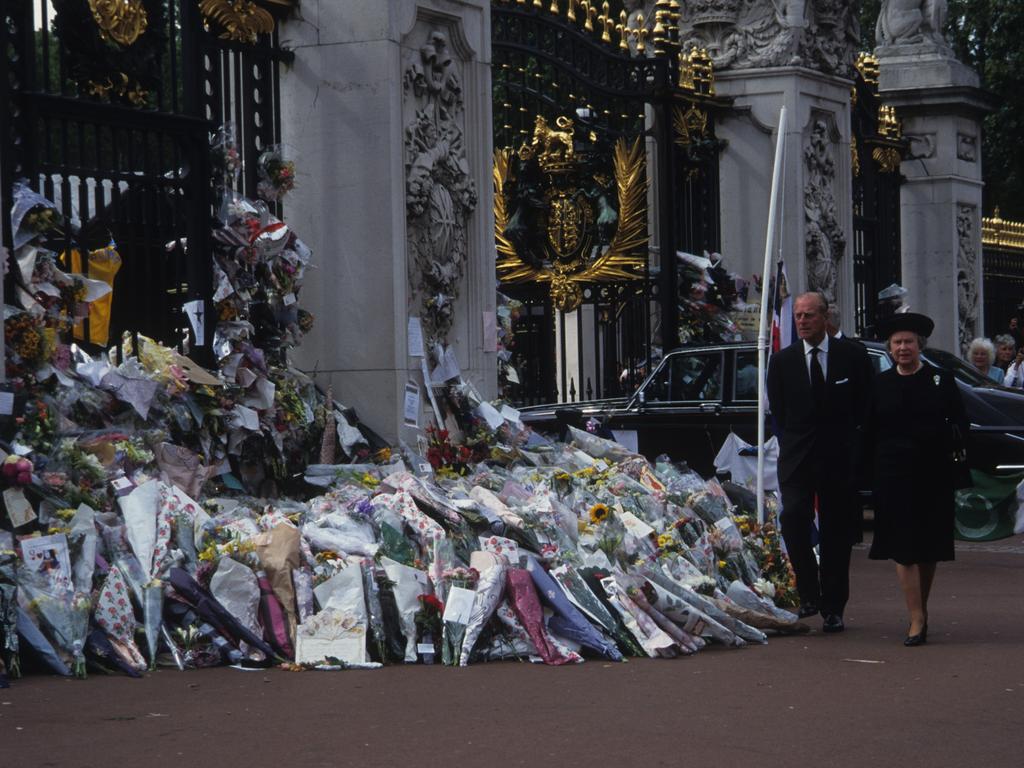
<point x="987" y="35"/>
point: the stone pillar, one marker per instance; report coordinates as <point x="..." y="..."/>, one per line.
<point x="799" y="54"/>
<point x="816" y="208"/>
<point x="387" y="111"/>
<point x="941" y="107"/>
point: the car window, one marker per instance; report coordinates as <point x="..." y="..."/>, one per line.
<point x="696" y="377"/>
<point x="880" y="361"/>
<point x="961" y="369"/>
<point x="687" y="377"/>
<point x="745" y="383"/>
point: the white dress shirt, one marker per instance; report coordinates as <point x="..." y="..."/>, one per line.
<point x="1014" y="376"/>
<point x="822" y="356"/>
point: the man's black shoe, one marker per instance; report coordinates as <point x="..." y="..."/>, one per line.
<point x="807" y="609"/>
<point x="833" y="623"/>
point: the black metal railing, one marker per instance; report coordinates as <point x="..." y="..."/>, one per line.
<point x="121" y="143"/>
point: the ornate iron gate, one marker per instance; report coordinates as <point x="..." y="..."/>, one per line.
<point x="592" y="106"/>
<point x="878" y="150"/>
<point x="1003" y="264"/>
<point x="108" y="113"/>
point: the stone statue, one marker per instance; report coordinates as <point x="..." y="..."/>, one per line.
<point x="909" y="22"/>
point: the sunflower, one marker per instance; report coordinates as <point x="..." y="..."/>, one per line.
<point x="599" y="513"/>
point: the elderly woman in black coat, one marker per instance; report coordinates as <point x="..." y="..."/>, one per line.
<point x="915" y="425"/>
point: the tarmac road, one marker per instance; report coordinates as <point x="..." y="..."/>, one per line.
<point x="855" y="699"/>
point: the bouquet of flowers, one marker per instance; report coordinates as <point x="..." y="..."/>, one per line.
<point x="9" y="612"/>
<point x="276" y="175"/>
<point x="60" y="612"/>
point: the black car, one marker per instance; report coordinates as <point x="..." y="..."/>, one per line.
<point x="698" y="395"/>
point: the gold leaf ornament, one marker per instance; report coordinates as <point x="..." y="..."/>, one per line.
<point x="242" y="20"/>
<point x="122" y="21"/>
<point x="625" y="255"/>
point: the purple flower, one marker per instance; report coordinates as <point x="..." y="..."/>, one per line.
<point x="365" y="507"/>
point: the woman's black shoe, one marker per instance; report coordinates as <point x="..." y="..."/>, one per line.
<point x="919" y="639"/>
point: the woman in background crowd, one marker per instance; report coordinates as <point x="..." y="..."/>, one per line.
<point x="1015" y="373"/>
<point x="913" y="409"/>
<point x="1006" y="351"/>
<point x="982" y="355"/>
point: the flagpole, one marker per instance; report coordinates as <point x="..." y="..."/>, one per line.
<point x="762" y="331"/>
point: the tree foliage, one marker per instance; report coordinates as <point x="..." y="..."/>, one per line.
<point x="986" y="34"/>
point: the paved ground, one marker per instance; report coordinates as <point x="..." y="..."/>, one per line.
<point x="854" y="699"/>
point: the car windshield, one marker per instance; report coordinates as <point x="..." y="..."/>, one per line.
<point x="963" y="370"/>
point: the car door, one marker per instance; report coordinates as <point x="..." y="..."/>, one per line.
<point x="679" y="410"/>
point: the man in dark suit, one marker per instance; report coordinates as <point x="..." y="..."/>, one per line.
<point x="816" y="391"/>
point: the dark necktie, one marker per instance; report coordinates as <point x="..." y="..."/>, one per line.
<point x="817" y="377"/>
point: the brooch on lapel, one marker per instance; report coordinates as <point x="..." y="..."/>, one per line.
<point x="935" y="378"/>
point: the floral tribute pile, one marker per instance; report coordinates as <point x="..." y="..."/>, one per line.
<point x="158" y="514"/>
<point x="712" y="300"/>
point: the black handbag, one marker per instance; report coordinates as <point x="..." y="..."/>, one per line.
<point x="958" y="457"/>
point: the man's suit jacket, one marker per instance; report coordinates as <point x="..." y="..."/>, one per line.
<point x="819" y="442"/>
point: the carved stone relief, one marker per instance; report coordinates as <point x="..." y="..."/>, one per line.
<point x="967" y="273"/>
<point x="824" y="238"/>
<point x="967" y="147"/>
<point x="922" y="146"/>
<point x="819" y="34"/>
<point x="440" y="191"/>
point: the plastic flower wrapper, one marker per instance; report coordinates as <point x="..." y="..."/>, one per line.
<point x="276" y="175"/>
<point x="489" y="591"/>
<point x="204" y="645"/>
<point x="455" y="587"/>
<point x="523" y="598"/>
<point x="113" y="613"/>
<point x="305" y="600"/>
<point x="393" y="637"/>
<point x="408" y="585"/>
<point x="568" y="622"/>
<point x="598" y="447"/>
<point x="60" y="612"/>
<point x="210" y="612"/>
<point x="40" y="644"/>
<point x="719" y="625"/>
<point x="32" y="215"/>
<point x="374" y="611"/>
<point x="654" y="641"/>
<point x="687" y="643"/>
<point x="339" y="629"/>
<point x="9" y="651"/>
<point x="82" y="543"/>
<point x="395" y="546"/>
<point x="580" y="594"/>
<point x="101" y="651"/>
<point x="236" y="587"/>
<point x="758" y="611"/>
<point x="424" y="530"/>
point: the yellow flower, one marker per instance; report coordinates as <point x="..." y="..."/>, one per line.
<point x="562" y="477"/>
<point x="369" y="480"/>
<point x="721" y="564"/>
<point x="665" y="540"/>
<point x="65" y="514"/>
<point x="599" y="513"/>
<point x="383" y="456"/>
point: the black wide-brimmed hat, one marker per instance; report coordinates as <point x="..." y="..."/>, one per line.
<point x="922" y="325"/>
